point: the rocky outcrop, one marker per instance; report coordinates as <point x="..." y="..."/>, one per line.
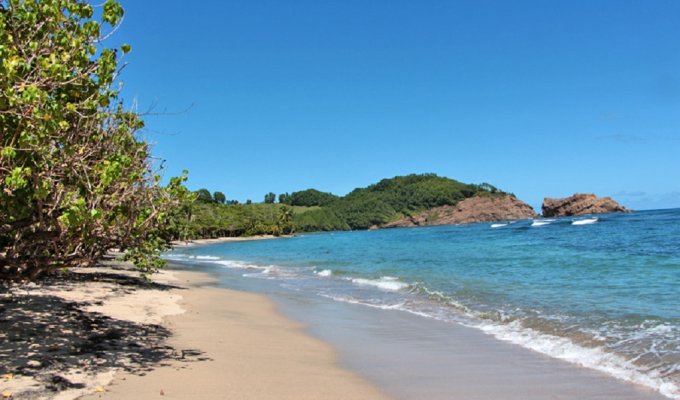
<point x="580" y="204"/>
<point x="470" y="210"/>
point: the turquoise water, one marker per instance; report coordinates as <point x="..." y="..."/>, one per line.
<point x="604" y="294"/>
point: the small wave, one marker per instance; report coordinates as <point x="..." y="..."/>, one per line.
<point x="542" y="222"/>
<point x="586" y="221"/>
<point x="513" y="331"/>
<point x="498" y="225"/>
<point x="386" y="283"/>
<point x="351" y="300"/>
<point x="186" y="257"/>
<point x="324" y="273"/>
<point x="237" y="264"/>
<point x="593" y="358"/>
<point x="437" y="296"/>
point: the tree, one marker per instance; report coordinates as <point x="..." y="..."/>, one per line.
<point x="311" y="197"/>
<point x="75" y="179"/>
<point x="284" y="198"/>
<point x="269" y="198"/>
<point x="285" y="221"/>
<point x="219" y="197"/>
<point x="204" y="196"/>
<point x="249" y="201"/>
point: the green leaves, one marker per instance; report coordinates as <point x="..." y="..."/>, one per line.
<point x="17" y="179"/>
<point x="8" y="152"/>
<point x="75" y="180"/>
<point x="113" y="12"/>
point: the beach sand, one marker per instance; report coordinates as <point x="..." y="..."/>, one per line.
<point x="104" y="334"/>
<point x="197" y="242"/>
<point x="252" y="353"/>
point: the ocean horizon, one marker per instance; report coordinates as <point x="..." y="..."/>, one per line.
<point x="600" y="292"/>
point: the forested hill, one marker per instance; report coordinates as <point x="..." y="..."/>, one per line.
<point x="312" y="210"/>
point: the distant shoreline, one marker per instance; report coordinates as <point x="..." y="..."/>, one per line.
<point x="225" y="239"/>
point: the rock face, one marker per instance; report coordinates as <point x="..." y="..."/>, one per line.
<point x="470" y="210"/>
<point x="580" y="204"/>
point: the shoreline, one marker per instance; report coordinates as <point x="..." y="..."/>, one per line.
<point x="248" y="350"/>
<point x="391" y="347"/>
<point x="218" y="342"/>
<point x="225" y="239"/>
<point x="191" y="340"/>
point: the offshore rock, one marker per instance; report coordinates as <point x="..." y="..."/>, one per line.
<point x="580" y="204"/>
<point x="470" y="210"/>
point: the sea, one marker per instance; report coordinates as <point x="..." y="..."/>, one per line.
<point x="602" y="291"/>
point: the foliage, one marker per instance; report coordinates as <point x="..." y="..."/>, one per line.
<point x="219" y="220"/>
<point x="219" y="197"/>
<point x="319" y="219"/>
<point x="75" y="180"/>
<point x="363" y="208"/>
<point x="311" y="197"/>
<point x="284" y="198"/>
<point x="269" y="198"/>
<point x="392" y="198"/>
<point x="204" y="196"/>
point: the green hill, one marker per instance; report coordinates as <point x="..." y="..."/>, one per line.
<point x="312" y="210"/>
<point x="394" y="198"/>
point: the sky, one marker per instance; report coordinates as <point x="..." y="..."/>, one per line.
<point x="542" y="99"/>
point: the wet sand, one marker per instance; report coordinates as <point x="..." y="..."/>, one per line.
<point x="412" y="357"/>
<point x="198" y="242"/>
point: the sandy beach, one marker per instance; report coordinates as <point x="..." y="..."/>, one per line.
<point x="190" y="340"/>
<point x="103" y="333"/>
<point x="225" y="239"/>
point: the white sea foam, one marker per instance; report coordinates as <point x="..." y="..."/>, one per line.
<point x="542" y="222"/>
<point x="186" y="257"/>
<point x="498" y="225"/>
<point x="586" y="221"/>
<point x="553" y="346"/>
<point x="385" y="283"/>
<point x="324" y="273"/>
<point x="594" y="358"/>
<point x="350" y="300"/>
<point x="237" y="264"/>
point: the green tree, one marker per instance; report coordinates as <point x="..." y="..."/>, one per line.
<point x="269" y="198"/>
<point x="219" y="197"/>
<point x="75" y="180"/>
<point x="204" y="196"/>
<point x="312" y="197"/>
<point x="284" y="198"/>
<point x="285" y="222"/>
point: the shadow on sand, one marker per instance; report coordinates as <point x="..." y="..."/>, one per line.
<point x="46" y="337"/>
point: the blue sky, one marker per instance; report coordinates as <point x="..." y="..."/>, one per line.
<point x="538" y="98"/>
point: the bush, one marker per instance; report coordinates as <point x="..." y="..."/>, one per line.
<point x="75" y="180"/>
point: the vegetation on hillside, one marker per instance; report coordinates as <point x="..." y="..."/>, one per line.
<point x="211" y="220"/>
<point x="308" y="198"/>
<point x="75" y="179"/>
<point x="313" y="210"/>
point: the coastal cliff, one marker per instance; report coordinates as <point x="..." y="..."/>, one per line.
<point x="470" y="210"/>
<point x="580" y="204"/>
